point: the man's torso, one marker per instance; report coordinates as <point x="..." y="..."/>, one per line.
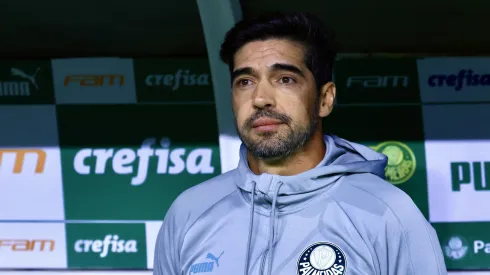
<point x="319" y="239"/>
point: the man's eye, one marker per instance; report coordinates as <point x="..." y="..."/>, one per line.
<point x="286" y="80"/>
<point x="243" y="82"/>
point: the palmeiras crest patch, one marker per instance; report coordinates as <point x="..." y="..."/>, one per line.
<point x="322" y="258"/>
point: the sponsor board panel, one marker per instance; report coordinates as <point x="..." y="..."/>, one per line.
<point x="457" y="147"/>
<point x="229" y="152"/>
<point x="133" y="160"/>
<point x="106" y="245"/>
<point x="32" y="245"/>
<point x="376" y="80"/>
<point x="454" y="79"/>
<point x="152" y="229"/>
<point x="26" y="82"/>
<point x="30" y="164"/>
<point x="94" y="80"/>
<point x="173" y="80"/>
<point x="466" y="245"/>
<point x="458" y="176"/>
<point x="400" y="139"/>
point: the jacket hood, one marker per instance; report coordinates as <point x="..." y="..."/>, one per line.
<point x="342" y="157"/>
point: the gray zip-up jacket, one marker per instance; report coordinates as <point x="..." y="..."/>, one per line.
<point x="339" y="218"/>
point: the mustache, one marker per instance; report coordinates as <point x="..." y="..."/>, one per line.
<point x="266" y="113"/>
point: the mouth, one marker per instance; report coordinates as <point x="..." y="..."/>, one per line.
<point x="266" y="124"/>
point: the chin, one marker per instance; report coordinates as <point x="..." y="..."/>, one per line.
<point x="266" y="135"/>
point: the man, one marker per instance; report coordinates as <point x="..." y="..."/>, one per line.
<point x="299" y="202"/>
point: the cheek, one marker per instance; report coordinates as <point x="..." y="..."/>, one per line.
<point x="242" y="107"/>
<point x="237" y="100"/>
<point x="240" y="111"/>
<point x="242" y="116"/>
<point x="296" y="109"/>
<point x="235" y="105"/>
<point x="302" y="117"/>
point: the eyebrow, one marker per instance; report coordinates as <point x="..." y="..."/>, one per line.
<point x="242" y="71"/>
<point x="287" y="67"/>
<point x="275" y="67"/>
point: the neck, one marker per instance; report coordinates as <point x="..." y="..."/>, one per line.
<point x="302" y="160"/>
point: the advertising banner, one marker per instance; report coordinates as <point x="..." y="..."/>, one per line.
<point x="94" y="80"/>
<point x="26" y="82"/>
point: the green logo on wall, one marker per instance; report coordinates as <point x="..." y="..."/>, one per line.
<point x="456" y="248"/>
<point x="401" y="161"/>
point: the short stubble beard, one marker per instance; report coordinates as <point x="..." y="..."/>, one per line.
<point x="274" y="146"/>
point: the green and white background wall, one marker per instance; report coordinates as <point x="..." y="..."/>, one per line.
<point x="94" y="150"/>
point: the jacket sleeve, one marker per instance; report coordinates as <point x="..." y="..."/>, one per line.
<point x="166" y="256"/>
<point x="410" y="244"/>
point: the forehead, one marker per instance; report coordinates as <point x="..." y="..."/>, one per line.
<point x="263" y="54"/>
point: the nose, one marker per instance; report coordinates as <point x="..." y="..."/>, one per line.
<point x="263" y="96"/>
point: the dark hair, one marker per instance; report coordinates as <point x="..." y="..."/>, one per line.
<point x="300" y="27"/>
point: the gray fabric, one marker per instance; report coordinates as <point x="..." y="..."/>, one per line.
<point x="368" y="225"/>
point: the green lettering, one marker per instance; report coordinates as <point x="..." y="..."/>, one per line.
<point x="460" y="174"/>
<point x="478" y="176"/>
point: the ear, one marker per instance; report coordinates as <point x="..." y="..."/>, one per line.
<point x="327" y="98"/>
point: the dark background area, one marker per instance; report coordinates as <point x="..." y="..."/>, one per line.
<point x="162" y="28"/>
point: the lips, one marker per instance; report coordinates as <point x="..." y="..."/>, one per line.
<point x="265" y="122"/>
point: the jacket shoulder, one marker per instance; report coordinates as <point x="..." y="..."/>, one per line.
<point x="367" y="192"/>
<point x="392" y="222"/>
<point x="198" y="199"/>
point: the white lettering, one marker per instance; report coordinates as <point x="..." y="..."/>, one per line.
<point x="114" y="243"/>
<point x="15" y="88"/>
<point x="162" y="160"/>
<point x="377" y="81"/>
<point x="481" y="245"/>
<point x="102" y="156"/>
<point x="338" y="267"/>
<point x="144" y="154"/>
<point x="106" y="242"/>
<point x="477" y="245"/>
<point x="131" y="246"/>
<point x="120" y="247"/>
<point x="79" y="161"/>
<point x="305" y="270"/>
<point x="176" y="159"/>
<point x="181" y="77"/>
<point x="87" y="244"/>
<point x="123" y="161"/>
<point x="204" y="166"/>
<point x="78" y="246"/>
<point x="97" y="246"/>
<point x="111" y="243"/>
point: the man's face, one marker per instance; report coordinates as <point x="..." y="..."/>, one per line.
<point x="274" y="98"/>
